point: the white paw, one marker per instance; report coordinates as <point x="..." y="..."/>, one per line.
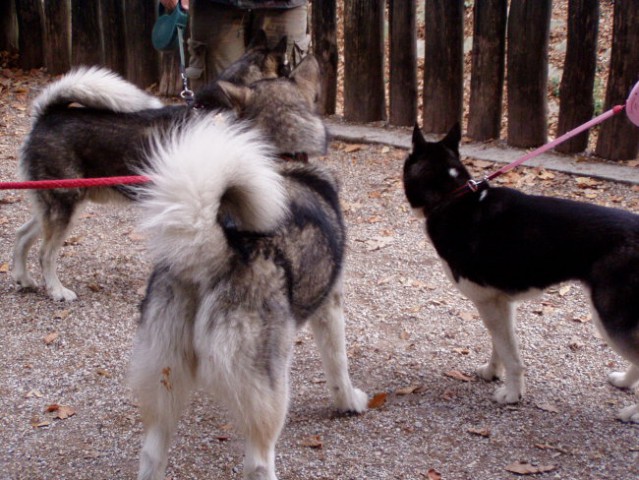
<point x="508" y="395"/>
<point x="24" y="281"/>
<point x="356" y="402"/>
<point x="62" y="294"/>
<point x="629" y="414"/>
<point x="489" y="371"/>
<point x="621" y="379"/>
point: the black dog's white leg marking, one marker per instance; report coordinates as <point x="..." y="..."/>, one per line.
<point x="625" y="379"/>
<point x="328" y="329"/>
<point x="498" y="314"/>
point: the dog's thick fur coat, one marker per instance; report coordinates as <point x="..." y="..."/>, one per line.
<point x="246" y="249"/>
<point x="499" y="245"/>
<point x="107" y="137"/>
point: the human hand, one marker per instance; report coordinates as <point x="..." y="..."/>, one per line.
<point x="171" y="4"/>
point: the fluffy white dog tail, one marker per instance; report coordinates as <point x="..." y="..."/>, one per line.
<point x="203" y="172"/>
<point x="94" y="87"/>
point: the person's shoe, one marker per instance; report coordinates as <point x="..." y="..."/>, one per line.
<point x="197" y="59"/>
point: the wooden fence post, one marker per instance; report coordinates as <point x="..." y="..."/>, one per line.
<point x="577" y="82"/>
<point x="170" y="76"/>
<point x="57" y="57"/>
<point x="31" y="45"/>
<point x="618" y="137"/>
<point x="403" y="63"/>
<point x="324" y="39"/>
<point x="142" y="60"/>
<point x="112" y="27"/>
<point x="364" y="61"/>
<point x="8" y="26"/>
<point x="85" y="33"/>
<point x="487" y="72"/>
<point x="527" y="63"/>
<point x="444" y="65"/>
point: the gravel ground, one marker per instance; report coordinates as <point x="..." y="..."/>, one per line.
<point x="413" y="341"/>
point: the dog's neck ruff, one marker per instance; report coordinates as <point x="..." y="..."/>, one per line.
<point x="294" y="157"/>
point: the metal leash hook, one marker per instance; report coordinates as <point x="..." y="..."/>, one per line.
<point x="186" y="93"/>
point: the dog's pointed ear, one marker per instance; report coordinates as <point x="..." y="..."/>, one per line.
<point x="453" y="137"/>
<point x="281" y="45"/>
<point x="259" y="40"/>
<point x="419" y="142"/>
<point x="307" y="77"/>
<point x="238" y="95"/>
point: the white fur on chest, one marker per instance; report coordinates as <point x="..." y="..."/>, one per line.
<point x="480" y="293"/>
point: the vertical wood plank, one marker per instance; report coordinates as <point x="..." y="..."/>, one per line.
<point x="403" y="62"/>
<point x="487" y="71"/>
<point x="364" y="61"/>
<point x="443" y="65"/>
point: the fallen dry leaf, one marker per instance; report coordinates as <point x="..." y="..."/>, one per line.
<point x="433" y="474"/>
<point x="62" y="314"/>
<point x="37" y="423"/>
<point x="525" y="468"/>
<point x="352" y="148"/>
<point x="408" y="390"/>
<point x="62" y="412"/>
<point x="33" y="393"/>
<point x="545" y="446"/>
<point x="564" y="290"/>
<point x="585" y="182"/>
<point x="4" y="267"/>
<point x="312" y="441"/>
<point x="457" y="375"/>
<point x="50" y="338"/>
<point x="76" y="240"/>
<point x="378" y="400"/>
<point x="547" y="407"/>
<point x="482" y="432"/>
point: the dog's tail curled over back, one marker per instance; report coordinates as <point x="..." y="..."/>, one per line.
<point x="206" y="170"/>
<point x="94" y="87"/>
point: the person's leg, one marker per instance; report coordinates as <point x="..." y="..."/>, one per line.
<point x="292" y="22"/>
<point x="217" y="39"/>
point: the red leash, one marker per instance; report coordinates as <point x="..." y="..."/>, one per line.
<point x="75" y="183"/>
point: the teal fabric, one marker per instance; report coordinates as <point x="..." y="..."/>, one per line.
<point x="165" y="30"/>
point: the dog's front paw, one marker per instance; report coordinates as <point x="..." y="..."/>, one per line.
<point x="355" y="402"/>
<point x="629" y="414"/>
<point x="24" y="281"/>
<point x="625" y="379"/>
<point x="507" y="394"/>
<point x="62" y="294"/>
<point x="489" y="371"/>
<point x="619" y="379"/>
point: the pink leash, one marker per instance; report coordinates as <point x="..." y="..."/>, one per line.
<point x="632" y="111"/>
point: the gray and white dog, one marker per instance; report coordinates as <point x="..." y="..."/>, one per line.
<point x="247" y="248"/>
<point x="108" y="137"/>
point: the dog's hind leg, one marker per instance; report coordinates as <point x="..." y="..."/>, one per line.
<point x="54" y="231"/>
<point x="246" y="358"/>
<point x="498" y="314"/>
<point x="327" y="324"/>
<point x="162" y="371"/>
<point x="26" y="236"/>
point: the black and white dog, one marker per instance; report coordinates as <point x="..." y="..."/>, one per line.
<point x="499" y="245"/>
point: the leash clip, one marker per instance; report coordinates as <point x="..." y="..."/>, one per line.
<point x="473" y="185"/>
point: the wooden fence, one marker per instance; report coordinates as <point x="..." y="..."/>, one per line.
<point x="508" y="36"/>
